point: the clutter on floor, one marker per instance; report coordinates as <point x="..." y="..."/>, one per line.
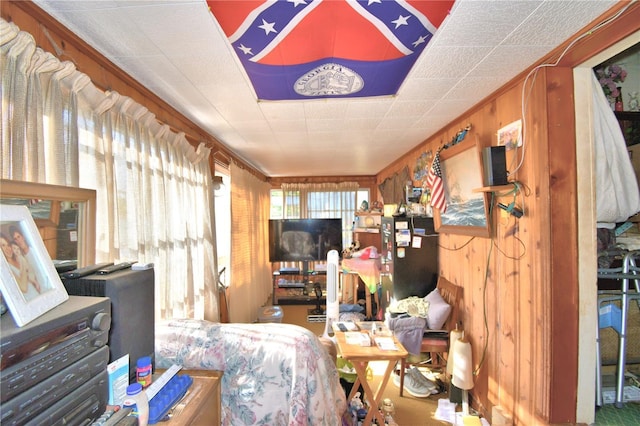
<point x="359" y="410"/>
<point x="416" y="383"/>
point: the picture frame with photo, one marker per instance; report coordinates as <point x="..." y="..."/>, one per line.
<point x="467" y="210"/>
<point x="30" y="284"/>
<point x="510" y="136"/>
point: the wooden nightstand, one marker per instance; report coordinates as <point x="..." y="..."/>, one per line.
<point x="201" y="405"/>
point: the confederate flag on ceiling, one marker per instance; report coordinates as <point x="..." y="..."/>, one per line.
<point x="304" y="49"/>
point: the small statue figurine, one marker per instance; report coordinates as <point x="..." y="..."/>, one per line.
<point x="388" y="410"/>
<point x="356" y="402"/>
<point x="357" y="408"/>
<point x="364" y="206"/>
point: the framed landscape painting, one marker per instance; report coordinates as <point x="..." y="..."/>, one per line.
<point x="467" y="210"/>
<point x="29" y="282"/>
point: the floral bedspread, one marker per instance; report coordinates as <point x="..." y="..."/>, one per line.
<point x="274" y="374"/>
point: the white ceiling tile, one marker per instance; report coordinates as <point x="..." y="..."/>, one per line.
<point x="110" y="40"/>
<point x="368" y="108"/>
<point x="325" y="108"/>
<point x="482" y="23"/>
<point x="282" y="110"/>
<point x="555" y="21"/>
<point x="282" y="126"/>
<point x="408" y="108"/>
<point x="517" y="57"/>
<point x="323" y="125"/>
<point x="450" y="61"/>
<point x="221" y="92"/>
<point x="363" y="124"/>
<point x="177" y="20"/>
<point x="426" y="88"/>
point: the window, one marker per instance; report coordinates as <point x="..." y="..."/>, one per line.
<point x="319" y="203"/>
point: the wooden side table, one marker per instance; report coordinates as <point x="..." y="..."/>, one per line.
<point x="201" y="404"/>
<point x="360" y="356"/>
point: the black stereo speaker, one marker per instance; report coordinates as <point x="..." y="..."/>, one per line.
<point x="494" y="161"/>
<point x="132" y="310"/>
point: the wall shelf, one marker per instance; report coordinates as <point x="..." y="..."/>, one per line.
<point x="366" y="229"/>
<point x="494" y="188"/>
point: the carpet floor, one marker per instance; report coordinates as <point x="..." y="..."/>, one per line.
<point x="409" y="410"/>
<point x="609" y="415"/>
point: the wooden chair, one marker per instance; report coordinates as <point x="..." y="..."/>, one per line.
<point x="436" y="344"/>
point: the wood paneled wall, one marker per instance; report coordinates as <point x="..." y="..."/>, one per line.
<point x="521" y="293"/>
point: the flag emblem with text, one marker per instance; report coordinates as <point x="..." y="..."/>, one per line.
<point x="302" y="49"/>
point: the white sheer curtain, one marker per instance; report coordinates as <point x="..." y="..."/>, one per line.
<point x="250" y="278"/>
<point x="327" y="199"/>
<point x="154" y="189"/>
<point x="37" y="143"/>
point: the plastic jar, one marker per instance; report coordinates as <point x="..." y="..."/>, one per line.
<point x="144" y="371"/>
<point x="137" y="399"/>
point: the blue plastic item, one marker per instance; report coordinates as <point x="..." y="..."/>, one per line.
<point x="168" y="396"/>
<point x="611" y="316"/>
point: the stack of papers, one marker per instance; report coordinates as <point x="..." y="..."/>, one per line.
<point x="357" y="338"/>
<point x="386" y="343"/>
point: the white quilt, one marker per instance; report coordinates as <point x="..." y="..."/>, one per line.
<point x="274" y="374"/>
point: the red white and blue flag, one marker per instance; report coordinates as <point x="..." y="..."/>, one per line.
<point x="434" y="181"/>
<point x="303" y="49"/>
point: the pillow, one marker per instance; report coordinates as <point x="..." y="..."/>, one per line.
<point x="438" y="312"/>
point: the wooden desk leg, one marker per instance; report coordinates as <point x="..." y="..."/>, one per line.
<point x="349" y="288"/>
<point x="368" y="300"/>
<point x="376" y="299"/>
<point x="343" y="287"/>
<point x="373" y="398"/>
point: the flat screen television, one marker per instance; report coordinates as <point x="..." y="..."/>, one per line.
<point x="303" y="239"/>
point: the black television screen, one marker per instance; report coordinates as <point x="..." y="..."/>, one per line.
<point x="303" y="239"/>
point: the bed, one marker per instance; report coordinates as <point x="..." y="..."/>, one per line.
<point x="274" y="374"/>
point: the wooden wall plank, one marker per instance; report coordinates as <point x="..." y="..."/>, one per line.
<point x="564" y="266"/>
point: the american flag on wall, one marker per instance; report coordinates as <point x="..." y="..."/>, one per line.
<point x="434" y="181"/>
<point x="305" y="49"/>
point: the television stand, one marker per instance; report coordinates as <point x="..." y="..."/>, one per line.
<point x="299" y="287"/>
